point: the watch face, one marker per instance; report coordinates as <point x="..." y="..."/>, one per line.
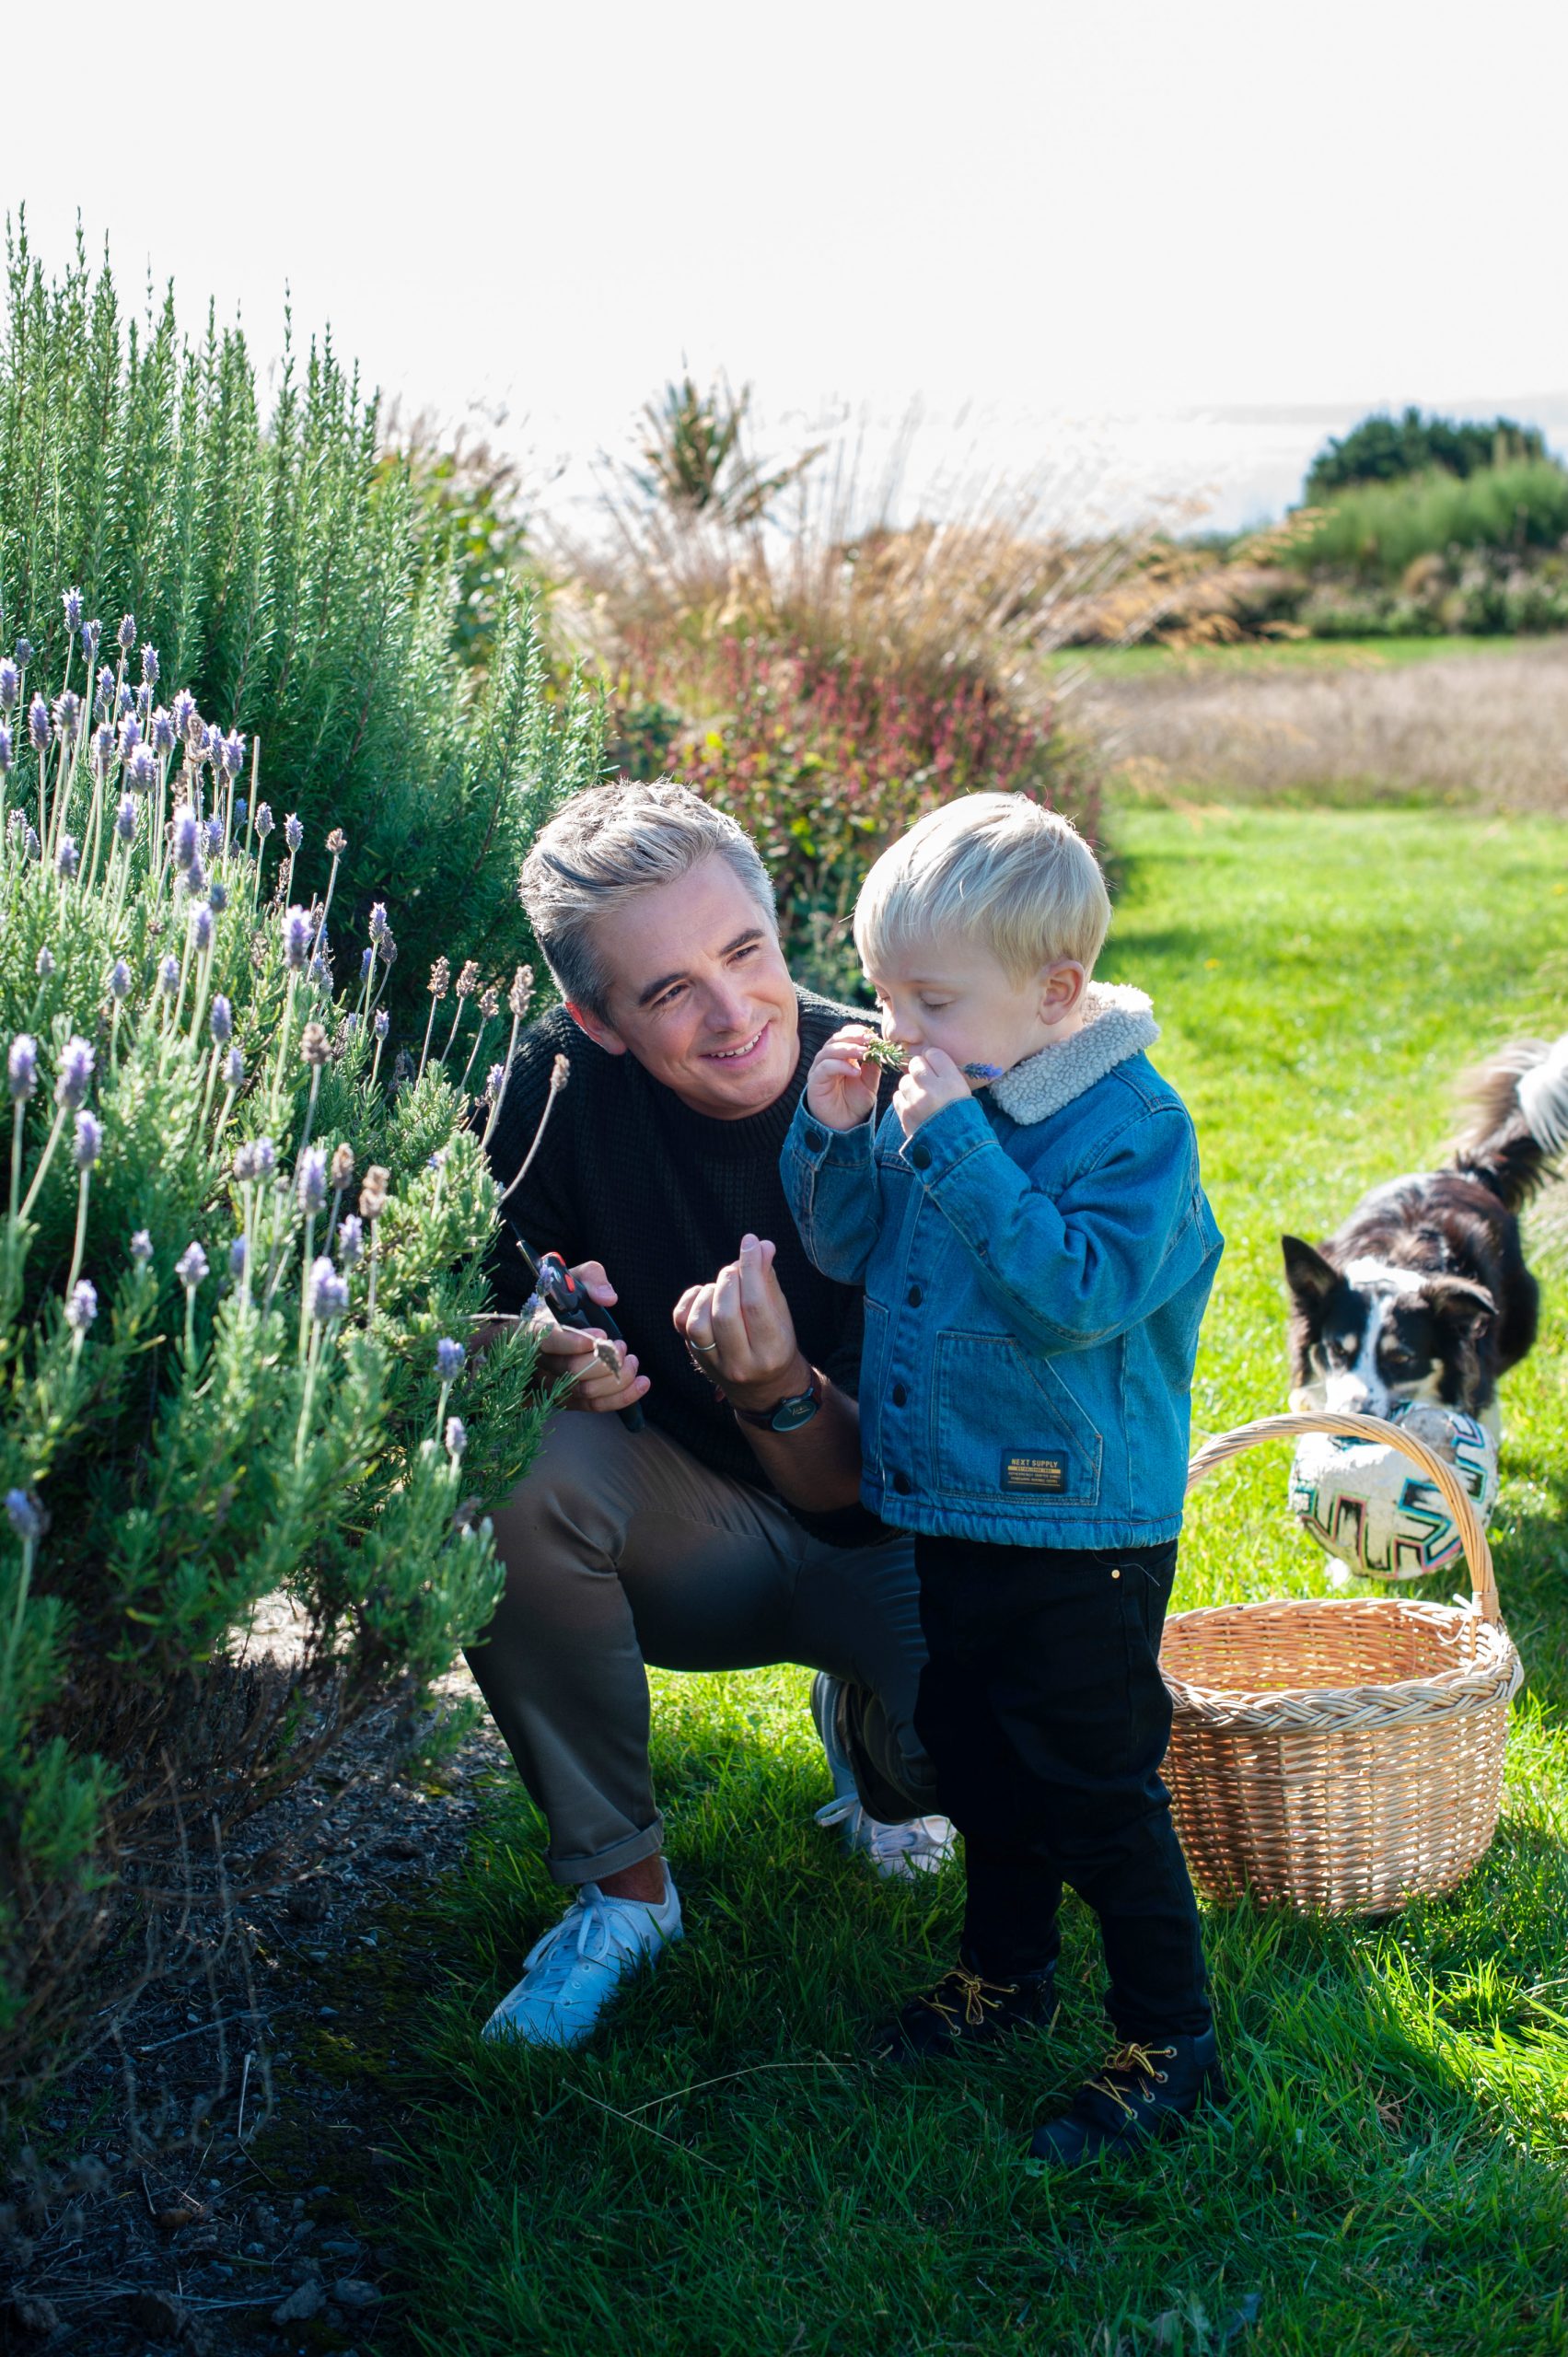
<point x="789" y="1414"/>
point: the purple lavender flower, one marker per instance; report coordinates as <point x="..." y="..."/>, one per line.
<point x="237" y="1257"/>
<point x="351" y="1239"/>
<point x="320" y="972"/>
<point x="120" y="982"/>
<point x="22" y="1067"/>
<point x="149" y="667"/>
<point x="328" y="1292"/>
<point x="215" y="837"/>
<point x="296" y="931"/>
<point x="129" y="735"/>
<point x="10" y="685"/>
<point x="220" y="1022"/>
<point x="88" y="1144"/>
<point x="125" y="819"/>
<point x="92" y="633"/>
<point x="34" y="850"/>
<point x="67" y="716"/>
<point x="103" y="701"/>
<point x="264" y="820"/>
<point x="163" y="731"/>
<point x="194" y="883"/>
<point x="24" y="652"/>
<point x="234" y="1069"/>
<point x="192" y="1267"/>
<point x="103" y="749"/>
<point x="241" y="810"/>
<point x="378" y="926"/>
<point x="266" y="1157"/>
<point x="125" y="702"/>
<point x="217" y="894"/>
<point x="45" y="965"/>
<point x="72" y="601"/>
<point x="185" y="834"/>
<point x="184" y="710"/>
<point x="495" y="1081"/>
<point x="25" y="1517"/>
<point x="457" y="1436"/>
<point x="383" y="1023"/>
<point x="5" y="754"/>
<point x="367" y="965"/>
<point x="81" y="1307"/>
<point x="202" y="928"/>
<point x="168" y="977"/>
<point x="292" y="832"/>
<point x="450" y="1359"/>
<point x="143" y="771"/>
<point x="140" y="1247"/>
<point x="38" y="725"/>
<point x="246" y="1167"/>
<point x="310" y="1181"/>
<point x="74" y="1073"/>
<point x="67" y="859"/>
<point x="144" y="706"/>
<point x="233" y="753"/>
<point x="126" y="633"/>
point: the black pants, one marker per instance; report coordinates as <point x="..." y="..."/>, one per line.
<point x="1044" y="1714"/>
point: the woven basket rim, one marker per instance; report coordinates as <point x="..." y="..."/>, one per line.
<point x="1493" y="1677"/>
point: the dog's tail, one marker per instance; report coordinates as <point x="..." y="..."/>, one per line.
<point x="1519" y="1117"/>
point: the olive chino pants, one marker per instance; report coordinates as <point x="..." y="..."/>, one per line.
<point x="622" y="1550"/>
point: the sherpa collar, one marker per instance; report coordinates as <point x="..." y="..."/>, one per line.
<point x="1119" y="1022"/>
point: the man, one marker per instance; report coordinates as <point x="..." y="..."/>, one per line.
<point x="727" y="1533"/>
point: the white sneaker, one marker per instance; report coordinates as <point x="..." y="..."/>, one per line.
<point x="570" y="1975"/>
<point x="916" y="1846"/>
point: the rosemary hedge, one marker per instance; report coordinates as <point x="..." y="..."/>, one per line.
<point x="297" y="577"/>
<point x="240" y="1263"/>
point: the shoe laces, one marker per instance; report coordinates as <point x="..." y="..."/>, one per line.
<point x="586" y="1934"/>
<point x="1131" y="2061"/>
<point x="883" y="1840"/>
<point x="977" y="1996"/>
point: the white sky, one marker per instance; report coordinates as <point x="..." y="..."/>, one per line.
<point x="1192" y="238"/>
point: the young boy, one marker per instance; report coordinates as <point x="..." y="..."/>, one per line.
<point x="1036" y="1251"/>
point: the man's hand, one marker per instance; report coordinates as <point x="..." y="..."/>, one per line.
<point x="931" y="1081"/>
<point x="564" y="1351"/>
<point x="841" y="1088"/>
<point x="740" y="1330"/>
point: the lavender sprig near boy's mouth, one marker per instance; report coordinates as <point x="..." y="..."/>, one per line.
<point x="892" y="1057"/>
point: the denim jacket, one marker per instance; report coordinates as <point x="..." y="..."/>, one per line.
<point x="1034" y="1288"/>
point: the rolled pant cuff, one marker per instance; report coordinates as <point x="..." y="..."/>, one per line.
<point x="614" y="1861"/>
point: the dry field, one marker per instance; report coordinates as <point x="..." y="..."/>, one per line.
<point x="1486" y="721"/>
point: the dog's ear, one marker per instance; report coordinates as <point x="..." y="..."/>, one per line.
<point x="1460" y="1304"/>
<point x="1309" y="1275"/>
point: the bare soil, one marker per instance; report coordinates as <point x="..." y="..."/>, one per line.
<point x="206" y="2181"/>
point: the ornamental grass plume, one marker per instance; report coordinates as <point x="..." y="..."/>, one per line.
<point x="204" y="1407"/>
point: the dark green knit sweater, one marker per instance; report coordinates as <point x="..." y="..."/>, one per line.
<point x="630" y="1176"/>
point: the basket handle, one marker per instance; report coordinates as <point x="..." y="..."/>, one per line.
<point x="1472" y="1538"/>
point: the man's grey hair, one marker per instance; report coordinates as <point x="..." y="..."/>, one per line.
<point x="608" y="843"/>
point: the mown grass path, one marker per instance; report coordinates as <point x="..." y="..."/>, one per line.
<point x="721" y="2173"/>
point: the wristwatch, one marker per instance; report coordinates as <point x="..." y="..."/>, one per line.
<point x="786" y="1415"/>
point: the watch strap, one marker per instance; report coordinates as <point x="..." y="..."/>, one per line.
<point x="805" y="1403"/>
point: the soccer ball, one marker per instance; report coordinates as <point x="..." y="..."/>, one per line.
<point x="1373" y="1507"/>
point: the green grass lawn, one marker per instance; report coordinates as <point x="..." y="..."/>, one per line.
<point x="721" y="2173"/>
<point x="1153" y="659"/>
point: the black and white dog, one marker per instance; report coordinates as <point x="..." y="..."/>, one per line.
<point x="1423" y="1293"/>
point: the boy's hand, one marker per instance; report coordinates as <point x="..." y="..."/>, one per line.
<point x="931" y="1081"/>
<point x="840" y="1089"/>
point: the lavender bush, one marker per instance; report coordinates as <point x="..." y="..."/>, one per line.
<point x="241" y="1263"/>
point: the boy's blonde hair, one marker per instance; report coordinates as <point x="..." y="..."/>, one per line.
<point x="996" y="865"/>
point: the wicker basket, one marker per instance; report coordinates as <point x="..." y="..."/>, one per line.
<point x="1340" y="1757"/>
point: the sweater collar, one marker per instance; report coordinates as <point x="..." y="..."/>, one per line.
<point x="1119" y="1022"/>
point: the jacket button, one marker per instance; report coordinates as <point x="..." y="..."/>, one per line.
<point x="902" y="1483"/>
<point x="913" y="1297"/>
<point x="815" y="1139"/>
<point x="920" y="1157"/>
<point x="900" y="1395"/>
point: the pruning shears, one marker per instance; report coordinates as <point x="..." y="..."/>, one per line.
<point x="558" y="1291"/>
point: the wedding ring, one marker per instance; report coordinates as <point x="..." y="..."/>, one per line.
<point x="701" y="1346"/>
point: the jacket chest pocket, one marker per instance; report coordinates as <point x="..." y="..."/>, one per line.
<point x="1004" y="1425"/>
